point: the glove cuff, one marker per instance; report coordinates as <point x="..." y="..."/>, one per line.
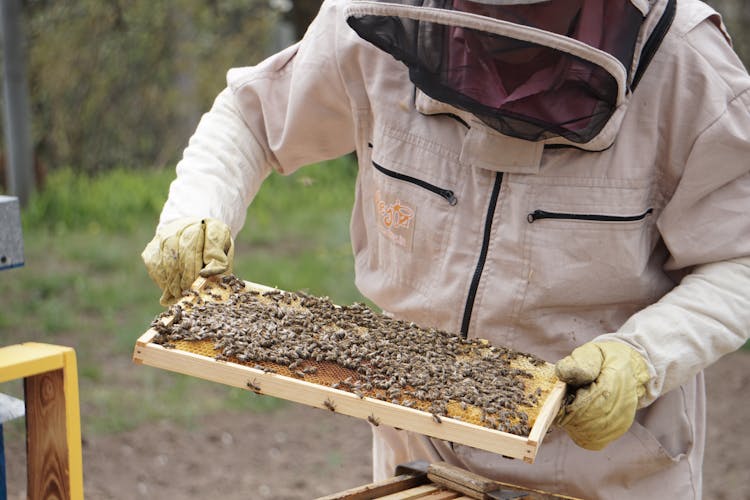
<point x="641" y="374"/>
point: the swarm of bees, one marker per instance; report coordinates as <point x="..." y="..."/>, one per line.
<point x="389" y="359"/>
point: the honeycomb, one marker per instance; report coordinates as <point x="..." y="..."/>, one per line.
<point x="538" y="381"/>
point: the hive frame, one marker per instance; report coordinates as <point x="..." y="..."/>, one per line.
<point x="375" y="410"/>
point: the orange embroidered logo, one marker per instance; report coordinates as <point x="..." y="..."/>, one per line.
<point x="395" y="215"/>
<point x="395" y="220"/>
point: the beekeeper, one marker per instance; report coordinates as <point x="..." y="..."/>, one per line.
<point x="568" y="178"/>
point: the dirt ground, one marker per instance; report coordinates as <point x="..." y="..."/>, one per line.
<point x="298" y="452"/>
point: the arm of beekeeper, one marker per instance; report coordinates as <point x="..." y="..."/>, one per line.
<point x="290" y="110"/>
<point x="655" y="351"/>
<point x="706" y="227"/>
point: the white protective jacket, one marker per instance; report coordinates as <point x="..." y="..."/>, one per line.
<point x="451" y="228"/>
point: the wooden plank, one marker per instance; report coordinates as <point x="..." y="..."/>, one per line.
<point x="376" y="490"/>
<point x="442" y="495"/>
<point x="448" y="475"/>
<point x="460" y="487"/>
<point x="321" y="396"/>
<point x="478" y="487"/>
<point x="46" y="443"/>
<point x="412" y="493"/>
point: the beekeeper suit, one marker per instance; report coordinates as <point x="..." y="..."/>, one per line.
<point x="567" y="178"/>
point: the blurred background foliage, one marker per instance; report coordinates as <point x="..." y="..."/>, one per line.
<point x="123" y="83"/>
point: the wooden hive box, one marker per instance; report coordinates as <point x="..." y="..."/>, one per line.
<point x="196" y="337"/>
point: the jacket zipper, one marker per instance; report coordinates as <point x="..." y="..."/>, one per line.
<point x="446" y="194"/>
<point x="474" y="286"/>
<point x="543" y="214"/>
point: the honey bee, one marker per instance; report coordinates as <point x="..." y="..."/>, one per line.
<point x="253" y="386"/>
<point x="177" y="314"/>
<point x="373" y="420"/>
<point x="329" y="404"/>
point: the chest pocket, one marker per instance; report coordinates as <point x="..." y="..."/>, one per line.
<point x="593" y="243"/>
<point x="409" y="192"/>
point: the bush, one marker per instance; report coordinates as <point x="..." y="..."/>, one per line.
<point x="118" y="200"/>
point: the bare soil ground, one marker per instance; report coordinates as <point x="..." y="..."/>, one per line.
<point x="298" y="452"/>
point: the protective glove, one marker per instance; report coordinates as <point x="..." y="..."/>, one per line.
<point x="184" y="249"/>
<point x="611" y="377"/>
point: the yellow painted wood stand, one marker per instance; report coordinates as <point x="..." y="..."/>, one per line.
<point x="53" y="425"/>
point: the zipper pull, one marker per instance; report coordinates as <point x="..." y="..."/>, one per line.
<point x="535" y="215"/>
<point x="449" y="196"/>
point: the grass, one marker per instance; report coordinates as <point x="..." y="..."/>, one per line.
<point x="84" y="285"/>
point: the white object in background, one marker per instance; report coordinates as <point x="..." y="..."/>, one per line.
<point x="11" y="237"/>
<point x="10" y="408"/>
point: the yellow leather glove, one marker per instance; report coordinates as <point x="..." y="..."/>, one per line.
<point x="184" y="249"/>
<point x="610" y="377"/>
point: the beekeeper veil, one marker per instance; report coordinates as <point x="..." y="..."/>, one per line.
<point x="557" y="71"/>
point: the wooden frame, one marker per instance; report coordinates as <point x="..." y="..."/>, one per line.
<point x="440" y="481"/>
<point x="320" y="396"/>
